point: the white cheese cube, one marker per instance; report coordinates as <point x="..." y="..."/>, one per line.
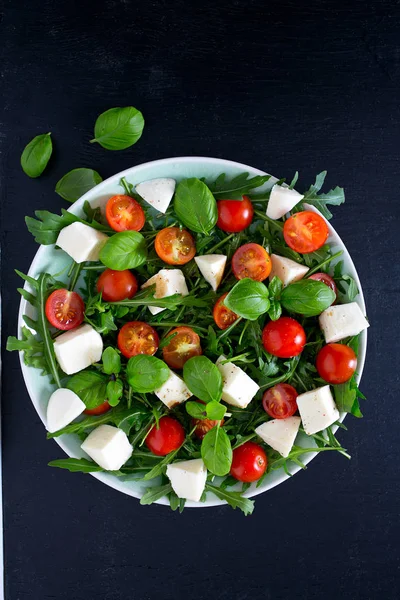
<point x="281" y="201"/>
<point x="81" y="242"/>
<point x="108" y="446"/>
<point x="286" y="269"/>
<point x="157" y="192"/>
<point x="212" y="267"/>
<point x="317" y="409"/>
<point x="168" y="282"/>
<point x="279" y="434"/>
<point x="188" y="478"/>
<point x="77" y="349"/>
<point x="238" y="388"/>
<point x="174" y="391"/>
<point x="63" y="407"/>
<point x="342" y="321"/>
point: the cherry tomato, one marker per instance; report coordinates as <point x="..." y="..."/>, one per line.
<point x="284" y="337"/>
<point x="223" y="316"/>
<point x="169" y="436"/>
<point x="305" y="232"/>
<point x="64" y="309"/>
<point x="280" y="401"/>
<point x="203" y="426"/>
<point x="117" y="285"/>
<point x="99" y="410"/>
<point x="327" y="279"/>
<point x="336" y="363"/>
<point x="175" y="246"/>
<point x="251" y="260"/>
<point x="124" y="213"/>
<point x="136" y="337"/>
<point x="234" y="215"/>
<point x="184" y="344"/>
<point x="249" y="462"/>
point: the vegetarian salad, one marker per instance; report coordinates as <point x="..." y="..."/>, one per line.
<point x="201" y="327"/>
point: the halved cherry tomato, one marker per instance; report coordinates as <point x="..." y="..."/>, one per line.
<point x="234" y="215"/>
<point x="223" y="316"/>
<point x="99" y="410"/>
<point x="284" y="337"/>
<point x="203" y="426"/>
<point x="124" y="213"/>
<point x="280" y="401"/>
<point x="169" y="436"/>
<point x="327" y="279"/>
<point x="336" y="363"/>
<point x="184" y="344"/>
<point x="136" y="337"/>
<point x="249" y="462"/>
<point x="65" y="309"/>
<point x="117" y="285"/>
<point x="251" y="260"/>
<point x="305" y="232"/>
<point x="175" y="246"/>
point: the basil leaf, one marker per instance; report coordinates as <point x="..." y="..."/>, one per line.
<point x="114" y="392"/>
<point x="146" y="373"/>
<point x="195" y="206"/>
<point x="76" y="465"/>
<point x="203" y="378"/>
<point x="275" y="287"/>
<point x="76" y="183"/>
<point x="215" y="411"/>
<point x="124" y="250"/>
<point x="248" y="299"/>
<point x="118" y="128"/>
<point x="36" y="155"/>
<point x="275" y="310"/>
<point x="234" y="499"/>
<point x="195" y="409"/>
<point x="90" y="386"/>
<point x="155" y="493"/>
<point x="307" y="297"/>
<point x="111" y="361"/>
<point x="216" y="451"/>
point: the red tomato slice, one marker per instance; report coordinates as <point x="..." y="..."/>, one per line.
<point x="124" y="213"/>
<point x="280" y="401"/>
<point x="117" y="285"/>
<point x="234" y="215"/>
<point x="336" y="363"/>
<point x="305" y="232"/>
<point x="223" y="316"/>
<point x="137" y="337"/>
<point x="184" y="344"/>
<point x="99" y="410"/>
<point x="284" y="337"/>
<point x="327" y="279"/>
<point x="175" y="246"/>
<point x="249" y="462"/>
<point x="169" y="436"/>
<point x="251" y="260"/>
<point x="64" y="309"/>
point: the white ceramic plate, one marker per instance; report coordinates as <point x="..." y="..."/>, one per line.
<point x="49" y="260"/>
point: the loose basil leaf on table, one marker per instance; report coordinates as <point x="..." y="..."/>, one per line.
<point x="307" y="297"/>
<point x="248" y="299"/>
<point x="146" y="373"/>
<point x="118" y="128"/>
<point x="216" y="451"/>
<point x="36" y="155"/>
<point x="195" y="206"/>
<point x="111" y="361"/>
<point x="90" y="386"/>
<point x="76" y="183"/>
<point x="114" y="392"/>
<point x="203" y="378"/>
<point x="124" y="250"/>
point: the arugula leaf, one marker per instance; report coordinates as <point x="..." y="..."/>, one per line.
<point x="334" y="197"/>
<point x="248" y="299"/>
<point x="118" y="128"/>
<point x="237" y="187"/>
<point x="111" y="361"/>
<point x="216" y="451"/>
<point x="345" y="284"/>
<point x="32" y="348"/>
<point x="36" y="155"/>
<point x="155" y="493"/>
<point x="203" y="378"/>
<point x="126" y="418"/>
<point x="46" y="227"/>
<point x="76" y="183"/>
<point x="76" y="465"/>
<point x="81" y="426"/>
<point x="90" y="386"/>
<point x="160" y="467"/>
<point x="294" y="180"/>
<point x="146" y="373"/>
<point x="234" y="499"/>
<point x="124" y="250"/>
<point x="195" y="206"/>
<point x="307" y="297"/>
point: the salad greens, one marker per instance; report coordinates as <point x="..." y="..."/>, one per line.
<point x="36" y="155"/>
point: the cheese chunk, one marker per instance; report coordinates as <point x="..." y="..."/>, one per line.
<point x="77" y="349"/>
<point x="281" y="201"/>
<point x="238" y="388"/>
<point x="63" y="407"/>
<point x="168" y="282"/>
<point x="157" y="192"/>
<point x="174" y="391"/>
<point x="188" y="478"/>
<point x="342" y="321"/>
<point x="317" y="409"/>
<point x="279" y="433"/>
<point x="108" y="446"/>
<point x="81" y="242"/>
<point x="212" y="267"/>
<point x="286" y="269"/>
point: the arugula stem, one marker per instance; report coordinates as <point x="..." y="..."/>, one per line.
<point x="243" y="332"/>
<point x="172" y="324"/>
<point x="325" y="262"/>
<point x="283" y="377"/>
<point x="48" y="342"/>
<point x="75" y="276"/>
<point x="272" y="221"/>
<point x="94" y="267"/>
<point x="221" y="243"/>
<point x="229" y="329"/>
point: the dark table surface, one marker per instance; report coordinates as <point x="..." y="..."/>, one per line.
<point x="281" y="85"/>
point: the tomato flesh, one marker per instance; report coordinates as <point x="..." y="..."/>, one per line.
<point x="234" y="215"/>
<point x="175" y="246"/>
<point x="99" y="410"/>
<point x="253" y="261"/>
<point x="284" y="337"/>
<point x="327" y="279"/>
<point x="124" y="213"/>
<point x="117" y="285"/>
<point x="65" y="309"/>
<point x="305" y="232"/>
<point x="336" y="363"/>
<point x="249" y="462"/>
<point x="167" y="437"/>
<point x="280" y="401"/>
<point x="184" y="344"/>
<point x="137" y="337"/>
<point x="223" y="316"/>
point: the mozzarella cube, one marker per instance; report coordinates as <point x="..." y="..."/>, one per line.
<point x="157" y="192"/>
<point x="108" y="446"/>
<point x="188" y="478"/>
<point x="168" y="282"/>
<point x="212" y="267"/>
<point x="63" y="407"/>
<point x="286" y="269"/>
<point x="282" y="199"/>
<point x="317" y="409"/>
<point x="81" y="242"/>
<point x="279" y="434"/>
<point x="77" y="349"/>
<point x="342" y="321"/>
<point x="238" y="388"/>
<point x="174" y="391"/>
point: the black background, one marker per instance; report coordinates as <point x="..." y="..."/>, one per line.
<point x="281" y="85"/>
